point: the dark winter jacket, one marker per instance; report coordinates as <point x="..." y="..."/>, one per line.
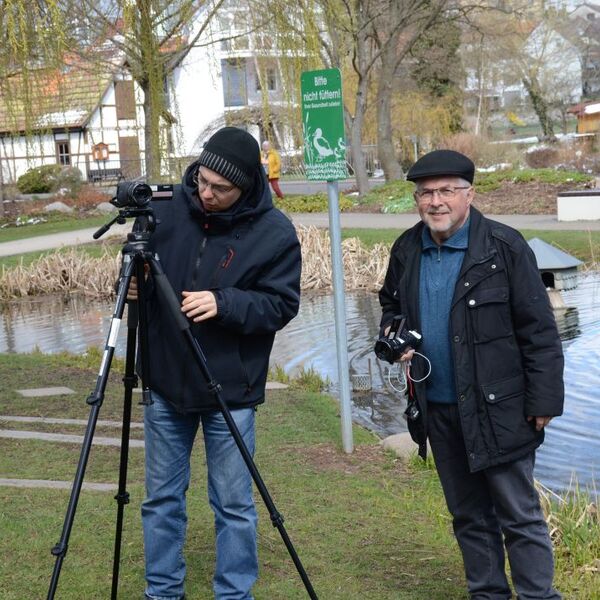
<point x="507" y="354"/>
<point x="249" y="256"/>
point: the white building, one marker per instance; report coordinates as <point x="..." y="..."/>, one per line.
<point x="96" y="122"/>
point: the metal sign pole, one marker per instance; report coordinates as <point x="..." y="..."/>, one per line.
<point x="325" y="160"/>
<point x="340" y="314"/>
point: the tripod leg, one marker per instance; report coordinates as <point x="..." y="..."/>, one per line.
<point x="95" y="400"/>
<point x="167" y="295"/>
<point x="130" y="382"/>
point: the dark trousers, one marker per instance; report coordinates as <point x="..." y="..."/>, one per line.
<point x="491" y="509"/>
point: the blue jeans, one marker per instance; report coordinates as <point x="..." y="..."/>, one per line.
<point x="169" y="438"/>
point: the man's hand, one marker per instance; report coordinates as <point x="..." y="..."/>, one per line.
<point x="540" y="422"/>
<point x="199" y="305"/>
<point x="407" y="355"/>
<point x="132" y="292"/>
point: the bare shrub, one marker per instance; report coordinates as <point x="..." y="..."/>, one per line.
<point x="542" y="157"/>
<point x="483" y="152"/>
<point x="70" y="271"/>
<point x="364" y="268"/>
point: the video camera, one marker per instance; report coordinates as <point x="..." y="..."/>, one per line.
<point x="137" y="194"/>
<point x="393" y="345"/>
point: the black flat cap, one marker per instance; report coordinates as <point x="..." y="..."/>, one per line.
<point x="440" y="163"/>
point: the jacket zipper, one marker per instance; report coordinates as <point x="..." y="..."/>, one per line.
<point x="196" y="271"/>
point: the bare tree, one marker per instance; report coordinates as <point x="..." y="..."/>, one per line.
<point x="148" y="39"/>
<point x="31" y="33"/>
<point x="526" y="45"/>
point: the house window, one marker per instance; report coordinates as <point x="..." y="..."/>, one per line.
<point x="270" y="76"/>
<point x="63" y="153"/>
<point x="271" y="80"/>
<point x="234" y="82"/>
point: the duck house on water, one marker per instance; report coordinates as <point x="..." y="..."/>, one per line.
<point x="557" y="268"/>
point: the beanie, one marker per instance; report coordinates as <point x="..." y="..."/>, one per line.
<point x="234" y="154"/>
<point x="440" y="163"/>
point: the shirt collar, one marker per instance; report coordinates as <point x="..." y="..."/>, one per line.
<point x="458" y="240"/>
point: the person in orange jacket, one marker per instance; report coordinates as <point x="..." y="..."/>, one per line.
<point x="272" y="163"/>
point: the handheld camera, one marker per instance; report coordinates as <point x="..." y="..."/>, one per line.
<point x="399" y="338"/>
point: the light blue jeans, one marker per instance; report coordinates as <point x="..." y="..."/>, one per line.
<point x="169" y="438"/>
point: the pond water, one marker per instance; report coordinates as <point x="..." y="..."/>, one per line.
<point x="572" y="447"/>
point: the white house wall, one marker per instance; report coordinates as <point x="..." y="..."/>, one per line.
<point x="18" y="154"/>
<point x="198" y="100"/>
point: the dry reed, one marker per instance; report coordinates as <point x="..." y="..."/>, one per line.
<point x="364" y="268"/>
<point x="62" y="272"/>
<point x="75" y="271"/>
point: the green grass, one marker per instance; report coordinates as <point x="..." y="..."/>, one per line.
<point x="55" y="224"/>
<point x="366" y="526"/>
<point x="93" y="250"/>
<point x="360" y="523"/>
<point x="396" y="196"/>
<point x="486" y="182"/>
<point x="584" y="245"/>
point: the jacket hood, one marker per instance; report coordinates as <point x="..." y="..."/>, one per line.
<point x="256" y="201"/>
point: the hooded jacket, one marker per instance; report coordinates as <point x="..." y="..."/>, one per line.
<point x="249" y="257"/>
<point x="508" y="361"/>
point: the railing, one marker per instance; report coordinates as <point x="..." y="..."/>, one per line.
<point x="110" y="172"/>
<point x="292" y="163"/>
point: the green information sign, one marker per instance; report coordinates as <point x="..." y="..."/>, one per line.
<point x="323" y="125"/>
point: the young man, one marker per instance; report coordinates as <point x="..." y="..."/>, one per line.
<point x="235" y="262"/>
<point x="471" y="286"/>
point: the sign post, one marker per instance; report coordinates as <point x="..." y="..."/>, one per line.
<point x="325" y="160"/>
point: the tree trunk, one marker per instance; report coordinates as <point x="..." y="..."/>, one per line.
<point x="358" y="157"/>
<point x="540" y="106"/>
<point x="2" y="208"/>
<point x="150" y="78"/>
<point x="151" y="134"/>
<point x="385" y="143"/>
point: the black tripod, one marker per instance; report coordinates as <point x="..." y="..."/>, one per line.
<point x="135" y="257"/>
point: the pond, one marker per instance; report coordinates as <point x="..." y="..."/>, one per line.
<point x="572" y="447"/>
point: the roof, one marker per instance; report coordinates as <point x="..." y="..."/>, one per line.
<point x="550" y="258"/>
<point x="585" y="108"/>
<point x="51" y="97"/>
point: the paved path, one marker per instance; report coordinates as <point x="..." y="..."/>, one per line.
<point x="348" y="220"/>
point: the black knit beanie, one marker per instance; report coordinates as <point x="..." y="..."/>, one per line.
<point x="234" y="154"/>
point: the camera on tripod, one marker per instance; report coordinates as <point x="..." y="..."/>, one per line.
<point x="137" y="194"/>
<point x="392" y="346"/>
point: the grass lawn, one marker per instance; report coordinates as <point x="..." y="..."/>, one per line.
<point x="55" y="224"/>
<point x="94" y="250"/>
<point x="584" y="245"/>
<point x="365" y="526"/>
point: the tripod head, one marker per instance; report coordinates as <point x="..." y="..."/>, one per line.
<point x="133" y="198"/>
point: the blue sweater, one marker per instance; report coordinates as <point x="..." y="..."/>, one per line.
<point x="440" y="267"/>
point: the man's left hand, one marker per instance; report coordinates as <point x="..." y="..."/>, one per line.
<point x="199" y="305"/>
<point x="540" y="422"/>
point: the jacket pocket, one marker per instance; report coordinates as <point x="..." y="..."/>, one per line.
<point x="490" y="314"/>
<point x="505" y="405"/>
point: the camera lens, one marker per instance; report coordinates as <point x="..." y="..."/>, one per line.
<point x="134" y="194"/>
<point x="140" y="194"/>
<point x="384" y="350"/>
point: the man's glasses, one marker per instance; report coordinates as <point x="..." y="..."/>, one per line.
<point x="446" y="193"/>
<point x="217" y="189"/>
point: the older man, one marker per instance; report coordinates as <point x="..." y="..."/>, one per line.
<point x="471" y="286"/>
